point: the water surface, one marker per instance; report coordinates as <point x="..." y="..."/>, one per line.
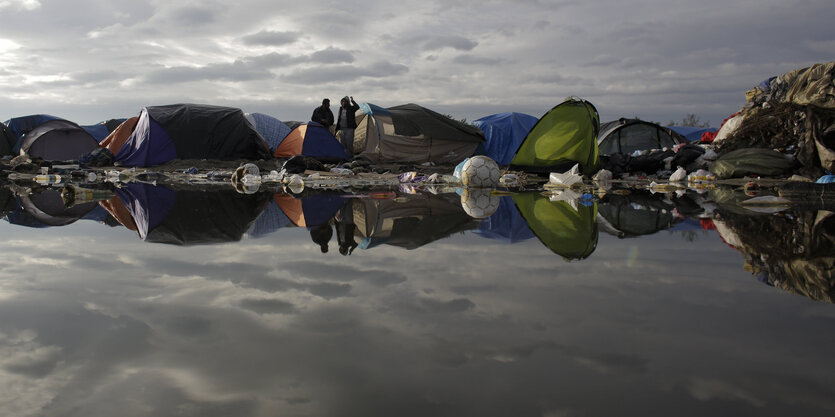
<point x="159" y="302"/>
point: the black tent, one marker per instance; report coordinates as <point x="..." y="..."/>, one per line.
<point x="191" y="131"/>
<point x="626" y="136"/>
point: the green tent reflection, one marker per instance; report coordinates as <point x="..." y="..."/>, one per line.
<point x="568" y="228"/>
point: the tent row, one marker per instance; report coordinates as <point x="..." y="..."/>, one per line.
<point x="187" y="217"/>
<point x="568" y="134"/>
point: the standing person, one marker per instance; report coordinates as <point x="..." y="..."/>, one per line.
<point x="323" y="115"/>
<point x="347" y="123"/>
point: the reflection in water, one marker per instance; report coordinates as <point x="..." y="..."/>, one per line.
<point x="793" y="251"/>
<point x="568" y="228"/>
<point x="461" y="324"/>
<point x="797" y="259"/>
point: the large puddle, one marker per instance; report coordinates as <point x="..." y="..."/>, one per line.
<point x="155" y="301"/>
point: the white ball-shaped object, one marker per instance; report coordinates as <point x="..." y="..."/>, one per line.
<point x="479" y="203"/>
<point x="480" y="172"/>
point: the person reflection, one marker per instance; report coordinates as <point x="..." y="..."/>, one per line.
<point x="345" y="229"/>
<point x="321" y="235"/>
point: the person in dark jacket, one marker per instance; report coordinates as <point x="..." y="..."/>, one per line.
<point x="323" y="114"/>
<point x="346" y="123"/>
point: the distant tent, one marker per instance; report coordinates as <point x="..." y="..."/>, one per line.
<point x="271" y="129"/>
<point x="313" y="140"/>
<point x="504" y="133"/>
<point x="413" y="134"/>
<point x="57" y="140"/>
<point x="568" y="229"/>
<point x="564" y="136"/>
<point x="101" y="130"/>
<point x="691" y="133"/>
<point x="187" y="217"/>
<point x="22" y="125"/>
<point x="191" y="131"/>
<point x="7" y="140"/>
<point x="626" y="136"/>
<point x="410" y="224"/>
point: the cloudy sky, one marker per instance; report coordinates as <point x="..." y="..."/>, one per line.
<point x="91" y="60"/>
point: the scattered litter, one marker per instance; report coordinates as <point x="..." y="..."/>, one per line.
<point x="701" y="176"/>
<point x="509" y="180"/>
<point x="566" y="179"/>
<point x="679" y="176"/>
<point x="341" y="171"/>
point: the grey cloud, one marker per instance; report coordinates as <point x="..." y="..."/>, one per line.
<point x="332" y="55"/>
<point x="343" y="273"/>
<point x="476" y="289"/>
<point x="194" y="15"/>
<point x="218" y="270"/>
<point x="440" y="42"/>
<point x="613" y="363"/>
<point x="271" y="38"/>
<point x="97" y="76"/>
<point x="458" y="305"/>
<point x="273" y="60"/>
<point x="384" y="278"/>
<point x="195" y="327"/>
<point x="344" y="73"/>
<point x="328" y="290"/>
<point x="237" y="71"/>
<point x="476" y="60"/>
<point x="268" y="306"/>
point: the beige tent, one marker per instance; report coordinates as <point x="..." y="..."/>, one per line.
<point x="412" y="134"/>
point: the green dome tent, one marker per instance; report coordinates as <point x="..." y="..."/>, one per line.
<point x="564" y="136"/>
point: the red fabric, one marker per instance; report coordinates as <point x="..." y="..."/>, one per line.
<point x="707" y="224"/>
<point x="708" y="137"/>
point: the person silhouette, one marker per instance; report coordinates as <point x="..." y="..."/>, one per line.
<point x="321" y="235"/>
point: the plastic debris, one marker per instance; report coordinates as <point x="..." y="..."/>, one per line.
<point x="341" y="171"/>
<point x="701" y="176"/>
<point x="679" y="176"/>
<point x="566" y="179"/>
<point x="509" y="180"/>
<point x="192" y="171"/>
<point x="826" y="179"/>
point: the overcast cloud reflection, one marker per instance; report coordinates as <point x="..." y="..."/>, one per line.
<point x="439" y="315"/>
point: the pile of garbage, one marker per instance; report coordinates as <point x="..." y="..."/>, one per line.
<point x="792" y="114"/>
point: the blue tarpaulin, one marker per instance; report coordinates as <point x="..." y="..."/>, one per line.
<point x="503" y="133"/>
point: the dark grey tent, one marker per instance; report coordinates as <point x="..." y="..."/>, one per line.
<point x="626" y="136"/>
<point x="413" y="134"/>
<point x="7" y="140"/>
<point x="58" y="140"/>
<point x="189" y="131"/>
